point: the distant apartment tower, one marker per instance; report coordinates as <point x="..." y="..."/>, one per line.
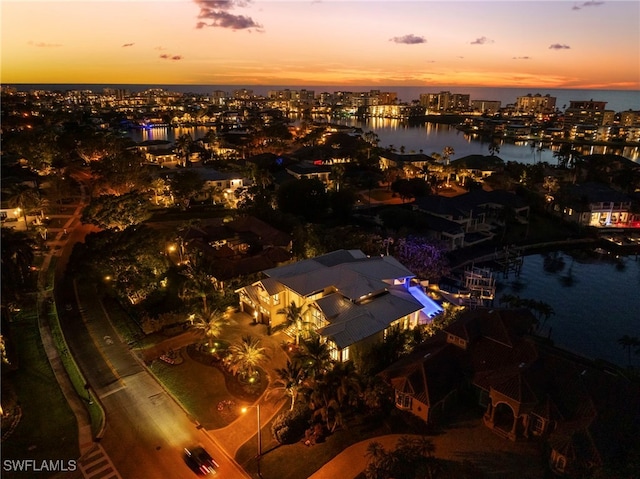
<point x="630" y="118"/>
<point x="243" y="94"/>
<point x="384" y="97"/>
<point x="445" y="101"/>
<point x="116" y="93"/>
<point x="489" y="107"/>
<point x="588" y="113"/>
<point x="219" y="97"/>
<point x="291" y="98"/>
<point x="532" y="104"/>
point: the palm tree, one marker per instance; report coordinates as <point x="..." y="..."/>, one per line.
<point x="158" y="185"/>
<point x="337" y="174"/>
<point x="494" y="148"/>
<point x="210" y="324"/>
<point x="3" y="351"/>
<point x="290" y="380"/>
<point x="198" y="283"/>
<point x="380" y="461"/>
<point x="314" y="355"/>
<point x="184" y="144"/>
<point x="293" y="316"/>
<point x="543" y="309"/>
<point x="447" y="153"/>
<point x="246" y="357"/>
<point x="629" y="342"/>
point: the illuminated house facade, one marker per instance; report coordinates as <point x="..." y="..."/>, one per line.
<point x="595" y="204"/>
<point x="349" y="299"/>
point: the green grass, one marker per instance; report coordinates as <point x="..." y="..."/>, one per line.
<point x="48" y="429"/>
<point x="381" y="195"/>
<point x="96" y="413"/>
<point x="191" y="384"/>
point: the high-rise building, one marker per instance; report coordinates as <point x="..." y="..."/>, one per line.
<point x="532" y="104"/>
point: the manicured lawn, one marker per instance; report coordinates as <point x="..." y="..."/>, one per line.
<point x="200" y="389"/>
<point x="381" y="195"/>
<point x="48" y="429"/>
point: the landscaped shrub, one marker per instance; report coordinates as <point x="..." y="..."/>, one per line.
<point x="289" y="427"/>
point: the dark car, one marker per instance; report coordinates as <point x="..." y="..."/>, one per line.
<point x="200" y="461"/>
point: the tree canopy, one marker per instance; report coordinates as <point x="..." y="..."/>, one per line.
<point x="304" y="197"/>
<point x="117" y="212"/>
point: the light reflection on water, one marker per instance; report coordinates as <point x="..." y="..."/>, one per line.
<point x="434" y="137"/>
<point x="595" y="302"/>
<point x="427" y="138"/>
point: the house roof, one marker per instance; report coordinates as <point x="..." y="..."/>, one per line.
<point x="594" y="193"/>
<point x="350" y="272"/>
<point x="468" y="203"/>
<point x="408" y="158"/>
<point x="479" y="162"/>
<point x="364" y="320"/>
<point x="429" y="373"/>
<point x="594" y="407"/>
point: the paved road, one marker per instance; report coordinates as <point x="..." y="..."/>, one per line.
<point x="146" y="430"/>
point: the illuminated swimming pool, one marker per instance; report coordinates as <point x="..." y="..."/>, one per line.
<point x="429" y="307"/>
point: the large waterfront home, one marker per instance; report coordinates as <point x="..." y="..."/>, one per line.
<point x="586" y="412"/>
<point x="472" y="217"/>
<point x="348" y="298"/>
<point x="597" y="205"/>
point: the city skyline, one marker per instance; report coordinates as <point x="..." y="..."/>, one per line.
<point x="546" y="44"/>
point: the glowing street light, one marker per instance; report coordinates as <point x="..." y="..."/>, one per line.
<point x="244" y="410"/>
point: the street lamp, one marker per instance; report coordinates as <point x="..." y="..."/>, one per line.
<point x="245" y="409"/>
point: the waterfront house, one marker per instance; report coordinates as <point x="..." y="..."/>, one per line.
<point x="351" y="300"/>
<point x="416" y="161"/>
<point x="585" y="411"/>
<point x="595" y="204"/>
<point x="307" y="170"/>
<point x="478" y="212"/>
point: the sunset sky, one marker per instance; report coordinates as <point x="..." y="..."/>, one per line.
<point x="551" y="44"/>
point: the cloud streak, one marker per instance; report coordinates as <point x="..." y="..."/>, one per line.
<point x="44" y="45"/>
<point x="409" y="39"/>
<point x="559" y="46"/>
<point x="482" y="41"/>
<point x="522" y="58"/>
<point x="128" y="45"/>
<point x="166" y="56"/>
<point x="592" y="3"/>
<point x="215" y="13"/>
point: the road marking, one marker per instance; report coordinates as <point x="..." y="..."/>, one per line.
<point x="111" y="391"/>
<point x="96" y="464"/>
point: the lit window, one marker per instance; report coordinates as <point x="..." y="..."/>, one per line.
<point x="345" y="354"/>
<point x="403" y="400"/>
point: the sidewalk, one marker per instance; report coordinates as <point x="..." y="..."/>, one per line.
<point x="78" y="407"/>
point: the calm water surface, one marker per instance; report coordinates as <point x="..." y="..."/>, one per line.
<point x="595" y="301"/>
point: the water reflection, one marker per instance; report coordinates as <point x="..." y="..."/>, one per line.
<point x="426" y="138"/>
<point x="594" y="296"/>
